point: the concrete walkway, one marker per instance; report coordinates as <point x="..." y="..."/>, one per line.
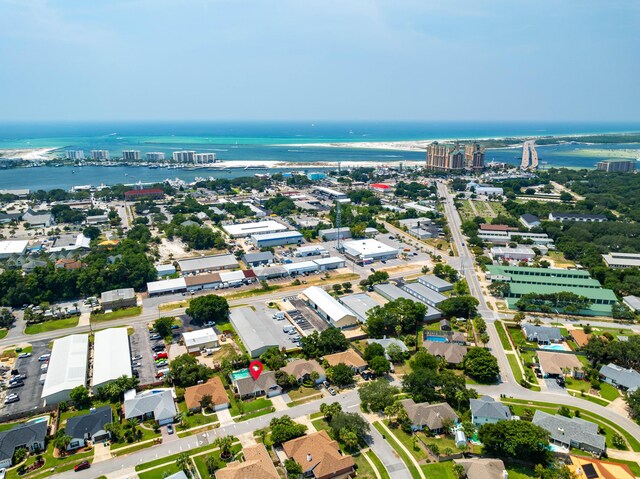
<point x="224" y="416"/>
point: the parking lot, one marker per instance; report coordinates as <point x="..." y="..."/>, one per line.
<point x="141" y="345"/>
<point x="30" y="394"/>
<point x="310" y="316"/>
<point x="285" y="340"/>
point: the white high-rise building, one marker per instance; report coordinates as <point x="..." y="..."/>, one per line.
<point x="131" y="155"/>
<point x="205" y="157"/>
<point x="74" y="154"/>
<point x="99" y="154"/>
<point x="155" y="156"/>
<point x="184" y="156"/>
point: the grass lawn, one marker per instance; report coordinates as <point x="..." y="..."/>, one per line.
<point x="442" y="442"/>
<point x="60" y="464"/>
<point x="257" y="404"/>
<point x="362" y="466"/>
<point x="396" y="447"/>
<point x="520" y="472"/>
<point x="502" y="334"/>
<point x="120" y="313"/>
<point x="253" y="292"/>
<point x="302" y="393"/>
<point x="518" y="337"/>
<point x="559" y="260"/>
<point x="407" y="441"/>
<point x="321" y="425"/>
<point x="52" y="325"/>
<point x="201" y="461"/>
<point x="608" y="392"/>
<point x="515" y="368"/>
<point x="195" y="419"/>
<point x="3" y="333"/>
<point x="440" y="470"/>
<point x="378" y="463"/>
<point x="147" y="434"/>
<point x="167" y="469"/>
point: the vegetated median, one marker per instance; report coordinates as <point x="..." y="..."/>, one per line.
<point x="502" y="334"/>
<point x="117" y="314"/>
<point x="52" y="325"/>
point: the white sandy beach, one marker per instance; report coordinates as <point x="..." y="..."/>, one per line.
<point x="31" y="154"/>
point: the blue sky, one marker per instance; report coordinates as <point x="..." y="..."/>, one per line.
<point x="320" y="59"/>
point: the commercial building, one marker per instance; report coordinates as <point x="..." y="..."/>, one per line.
<point x="257" y="464"/>
<point x="360" y="304"/>
<point x="118" y="298"/>
<point x="67" y="368"/>
<point x="197" y="340"/>
<point x="328" y="308"/>
<point x="183" y="156"/>
<point x="381" y="188"/>
<point x="30" y="435"/>
<point x="97" y="219"/>
<point x="622" y="378"/>
<point x="166" y="286"/>
<point x="633" y="302"/>
<point x="165" y="269"/>
<point x="212" y="388"/>
<point x="571" y="432"/>
<point x="580" y="217"/>
<point x="421" y="228"/>
<point x="311" y="250"/>
<point x="270" y="272"/>
<point x="622" y="260"/>
<point x="445" y="157"/>
<point x="435" y="283"/>
<point x="99" y="154"/>
<point x="392" y="292"/>
<point x="258" y="259"/>
<point x="144" y="194"/>
<point x="520" y="253"/>
<point x="111" y="356"/>
<point x="319" y="456"/>
<point x="432" y="417"/>
<point x="332" y="234"/>
<point x="474" y="157"/>
<point x="242" y="230"/>
<point x="424" y="294"/>
<point x="486" y="410"/>
<point x="302" y="267"/>
<point x="506" y="237"/>
<point x="156" y="404"/>
<point x="484" y="190"/>
<point x="529" y="221"/>
<point x="204" y="158"/>
<point x="623" y="166"/>
<point x="37" y="218"/>
<point x="89" y="428"/>
<point x="131" y="155"/>
<point x="74" y="154"/>
<point x="367" y="251"/>
<point x="9" y="248"/>
<point x="333" y="262"/>
<point x="253" y="329"/>
<point x="205" y="264"/>
<point x="155" y="156"/>
<point x="330" y="193"/>
<point x="280" y="238"/>
<point x="203" y="281"/>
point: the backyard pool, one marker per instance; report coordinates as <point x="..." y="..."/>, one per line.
<point x="240" y="374"/>
<point x="437" y="339"/>
<point x="553" y="347"/>
<point x="556" y="448"/>
<point x="39" y="419"/>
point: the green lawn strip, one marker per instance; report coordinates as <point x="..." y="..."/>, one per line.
<point x="60" y="464"/>
<point x="248" y="406"/>
<point x="608" y="392"/>
<point x="305" y="400"/>
<point x="362" y="466"/>
<point x="520" y="472"/>
<point x="253" y="292"/>
<point x="3" y="333"/>
<point x="192" y="420"/>
<point x="440" y="470"/>
<point x="378" y="463"/>
<point x="407" y="441"/>
<point x="316" y="415"/>
<point x="593" y="399"/>
<point x="322" y="425"/>
<point x="607" y="425"/>
<point x="167" y="469"/>
<point x="147" y="435"/>
<point x="443" y="442"/>
<point x="517" y="372"/>
<point x="52" y="325"/>
<point x="132" y="448"/>
<point x="254" y="414"/>
<point x="502" y="334"/>
<point x="396" y="447"/>
<point x="117" y="314"/>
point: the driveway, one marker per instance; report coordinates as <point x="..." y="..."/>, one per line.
<point x="224" y="416"/>
<point x="279" y="402"/>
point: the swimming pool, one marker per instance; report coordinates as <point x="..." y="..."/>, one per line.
<point x="437" y="339"/>
<point x="39" y="419"/>
<point x="556" y="448"/>
<point x="240" y="374"/>
<point x="553" y="347"/>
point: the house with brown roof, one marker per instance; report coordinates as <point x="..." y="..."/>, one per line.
<point x="257" y="464"/>
<point x="68" y="263"/>
<point x="430" y="416"/>
<point x="301" y="369"/>
<point x="482" y="468"/>
<point x="349" y="358"/>
<point x="214" y="388"/>
<point x="453" y="353"/>
<point x="580" y="337"/>
<point x="553" y="365"/>
<point x="319" y="456"/>
<point x="591" y="468"/>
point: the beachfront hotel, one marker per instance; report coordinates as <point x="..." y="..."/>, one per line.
<point x="445" y="158"/>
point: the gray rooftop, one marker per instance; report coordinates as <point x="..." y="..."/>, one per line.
<point x="627" y="378"/>
<point x="160" y="403"/>
<point x="633" y="302"/>
<point x="265" y="382"/>
<point x="487" y="407"/>
<point x="392" y="292"/>
<point x="541" y="333"/>
<point x="360" y="304"/>
<point x="20" y="435"/>
<point x="80" y="426"/>
<point x="208" y="262"/>
<point x="260" y="256"/>
<point x="567" y="430"/>
<point x="432" y="279"/>
<point x="420" y="290"/>
<point x="117" y="295"/>
<point x="253" y="329"/>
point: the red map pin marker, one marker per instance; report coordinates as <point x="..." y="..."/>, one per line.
<point x="255" y="368"/>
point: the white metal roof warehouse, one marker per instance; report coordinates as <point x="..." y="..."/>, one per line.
<point x="208" y="263"/>
<point x="7" y="248"/>
<point x="240" y="230"/>
<point x="253" y="329"/>
<point x="111" y="356"/>
<point x="338" y="315"/>
<point x="174" y="285"/>
<point x="369" y="249"/>
<point x="67" y="368"/>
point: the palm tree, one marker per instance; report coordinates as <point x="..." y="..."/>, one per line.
<point x="212" y="464"/>
<point x="62" y="442"/>
<point x="225" y="443"/>
<point x="183" y="462"/>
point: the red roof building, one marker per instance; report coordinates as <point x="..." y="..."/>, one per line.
<point x="380" y="187"/>
<point x="148" y="194"/>
<point x="488" y="227"/>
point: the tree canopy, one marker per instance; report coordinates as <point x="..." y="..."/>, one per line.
<point x="401" y="315"/>
<point x="515" y="440"/>
<point x="208" y="308"/>
<point x="187" y="371"/>
<point x="481" y="365"/>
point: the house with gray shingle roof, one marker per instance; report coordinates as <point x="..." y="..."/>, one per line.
<point x="429" y="416"/>
<point x="155" y="403"/>
<point x="627" y="379"/>
<point x="571" y="432"/>
<point x="488" y="411"/>
<point x="541" y="334"/>
<point x="265" y="385"/>
<point x="88" y="427"/>
<point x="30" y="435"/>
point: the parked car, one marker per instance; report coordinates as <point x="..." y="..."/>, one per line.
<point x="332" y="391"/>
<point x="155" y="336"/>
<point x="136" y="364"/>
<point x="157" y="348"/>
<point x="44" y="357"/>
<point x="11" y="398"/>
<point x="81" y="466"/>
<point x="175" y="326"/>
<point x="161" y="355"/>
<point x="325" y="384"/>
<point x="136" y="357"/>
<point x="16" y="384"/>
<point x="161" y="363"/>
<point x="170" y="429"/>
<point x="24" y="355"/>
